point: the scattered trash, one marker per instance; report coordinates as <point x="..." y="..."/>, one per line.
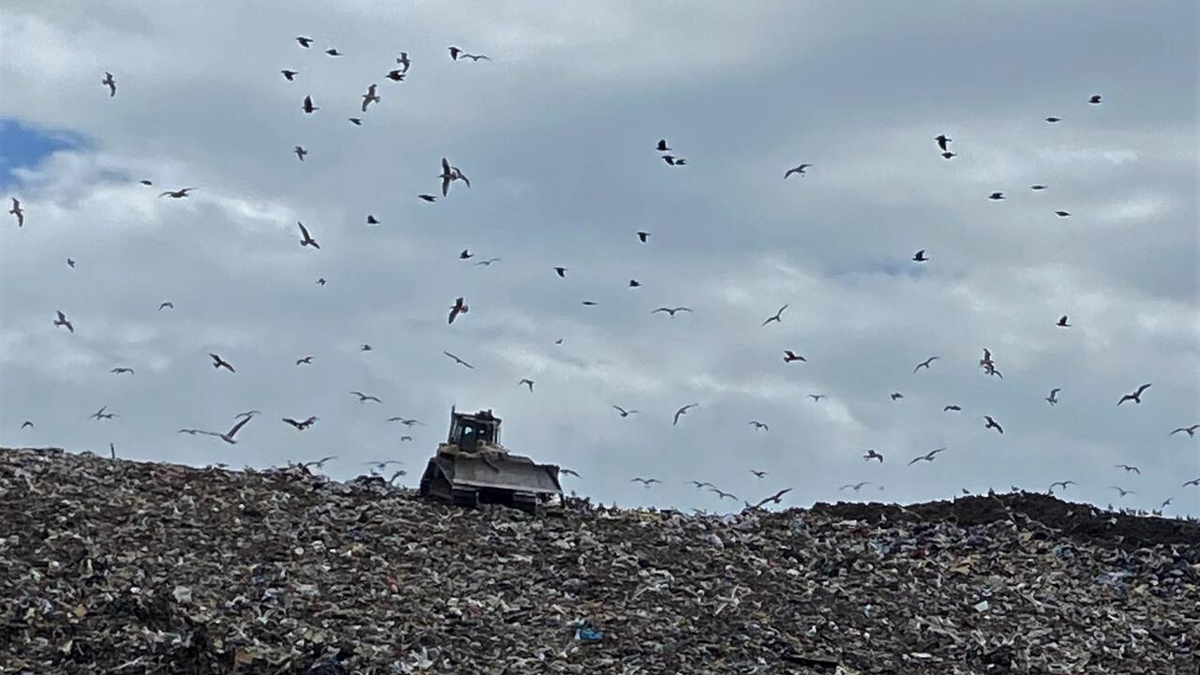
<point x="114" y="566"/>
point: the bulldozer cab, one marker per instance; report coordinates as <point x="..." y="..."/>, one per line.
<point x="469" y="432"/>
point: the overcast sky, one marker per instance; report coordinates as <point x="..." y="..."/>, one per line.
<point x="557" y="134"/>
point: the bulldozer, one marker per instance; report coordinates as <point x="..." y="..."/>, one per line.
<point x="473" y="468"/>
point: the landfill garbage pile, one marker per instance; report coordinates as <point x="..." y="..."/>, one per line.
<point x="111" y="566"/>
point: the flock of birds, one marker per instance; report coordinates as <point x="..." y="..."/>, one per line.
<point x="451" y="174"/>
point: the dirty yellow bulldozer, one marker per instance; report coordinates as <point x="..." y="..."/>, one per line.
<point x="473" y="468"/>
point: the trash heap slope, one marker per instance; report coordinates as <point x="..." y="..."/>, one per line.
<point x="122" y="567"/>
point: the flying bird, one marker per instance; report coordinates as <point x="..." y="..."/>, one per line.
<point x="465" y="254"/>
<point x="723" y="495"/>
<point x="459" y="361"/>
<point x="101" y="414"/>
<point x="623" y="412"/>
<point x="369" y="97"/>
<point x="642" y="236"/>
<point x="589" y="303"/>
<point x="305" y="42"/>
<point x="1053" y="120"/>
<point x="455" y="52"/>
<point x="219" y="362"/>
<point x="801" y="170"/>
<point x="306" y="238"/>
<point x="816" y="397"/>
<point x="1128" y="468"/>
<point x="1052" y="399"/>
<point x="372" y="220"/>
<point x="228" y="436"/>
<point x="109" y="82"/>
<point x="949" y="155"/>
<point x="302" y="425"/>
<point x="307" y="360"/>
<point x="289" y="75"/>
<point x="17" y="211"/>
<point x="404" y="61"/>
<point x="459" y="307"/>
<point x="1062" y="483"/>
<point x="177" y="194"/>
<point x="356" y="121"/>
<point x="996" y="196"/>
<point x="925" y="364"/>
<point x="1062" y="322"/>
<point x="1062" y="214"/>
<point x="120" y="370"/>
<point x="527" y="382"/>
<point x="1136" y="396"/>
<point x="321" y="281"/>
<point x="927" y="457"/>
<point x="855" y="486"/>
<point x="683" y="411"/>
<point x="673" y="160"/>
<point x="789" y="356"/>
<point x="300" y="152"/>
<point x="942" y="141"/>
<point x="395" y="75"/>
<point x="308" y="106"/>
<point x="759" y="474"/>
<point x="1190" y="431"/>
<point x="1037" y="188"/>
<point x="896" y="396"/>
<point x="992" y="424"/>
<point x="919" y="256"/>
<point x="333" y="52"/>
<point x="1121" y="490"/>
<point x="248" y="413"/>
<point x="671" y="310"/>
<point x="450" y="174"/>
<point x="488" y="262"/>
<point x="1194" y="481"/>
<point x="26" y="424"/>
<point x="777" y="317"/>
<point x="662" y="146"/>
<point x="634" y="283"/>
<point x="365" y="348"/>
<point x="561" y="272"/>
<point x="1095" y="99"/>
<point x="62" y="321"/>
<point x="955" y="408"/>
<point x="759" y="425"/>
<point x="701" y="484"/>
<point x="319" y="463"/>
<point x="871" y="454"/>
<point x="428" y="198"/>
<point x="569" y="472"/>
<point x="776" y="498"/>
<point x="645" y="481"/>
<point x="381" y="465"/>
<point x="363" y="398"/>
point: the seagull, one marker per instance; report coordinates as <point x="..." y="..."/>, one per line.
<point x="996" y="196"/>
<point x="321" y="281"/>
<point x="380" y="466"/>
<point x="459" y="307"/>
<point x="723" y="495"/>
<point x="119" y="370"/>
<point x="488" y="262"/>
<point x="1190" y="431"/>
<point x="428" y="198"/>
<point x="645" y="481"/>
<point x="683" y="411"/>
<point x="1062" y="322"/>
<point x="673" y="160"/>
<point x="177" y="194"/>
<point x="1136" y="396"/>
<point x="896" y="396"/>
<point x="1037" y="188"/>
<point x="1095" y="99"/>
<point x="319" y="463"/>
<point x="395" y="75"/>
<point x="671" y="310"/>
<point x="949" y="155"/>
<point x="816" y="397"/>
<point x="363" y="398"/>
<point x="248" y="413"/>
<point x="300" y="152"/>
<point x="1052" y="399"/>
<point x="333" y="52"/>
<point x="290" y="75"/>
<point x="662" y="146"/>
<point x="109" y="82"/>
<point x="955" y="408"/>
<point x="404" y="61"/>
<point x="304" y="41"/>
<point x="26" y="424"/>
<point x="925" y="364"/>
<point x="307" y="360"/>
<point x="942" y="141"/>
<point x="1062" y="214"/>
<point x="634" y="283"/>
<point x="919" y="256"/>
<point x="759" y="425"/>
<point x="372" y="220"/>
<point x="992" y="424"/>
<point x="871" y="454"/>
<point x="1128" y="468"/>
<point x="1062" y="483"/>
<point x="789" y="356"/>
<point x="228" y="436"/>
<point x="466" y="253"/>
<point x="569" y="472"/>
<point x="459" y="361"/>
<point x="356" y="121"/>
<point x="70" y="263"/>
<point x="1122" y="491"/>
<point x="701" y="484"/>
<point x="800" y="169"/>
<point x="777" y="317"/>
<point x="1053" y="120"/>
<point x="855" y="486"/>
<point x="62" y="321"/>
<point x="561" y="272"/>
<point x="623" y="412"/>
<point x="101" y="415"/>
<point x="927" y="457"/>
<point x="1194" y="481"/>
<point x="448" y="176"/>
<point x="308" y="106"/>
<point x="17" y="211"/>
<point x="527" y="382"/>
<point x="365" y="348"/>
<point x="1166" y="502"/>
<point x="642" y="236"/>
<point x="301" y="426"/>
<point x="776" y="498"/>
<point x="455" y="52"/>
<point x="218" y="362"/>
<point x="369" y="97"/>
<point x="306" y="238"/>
